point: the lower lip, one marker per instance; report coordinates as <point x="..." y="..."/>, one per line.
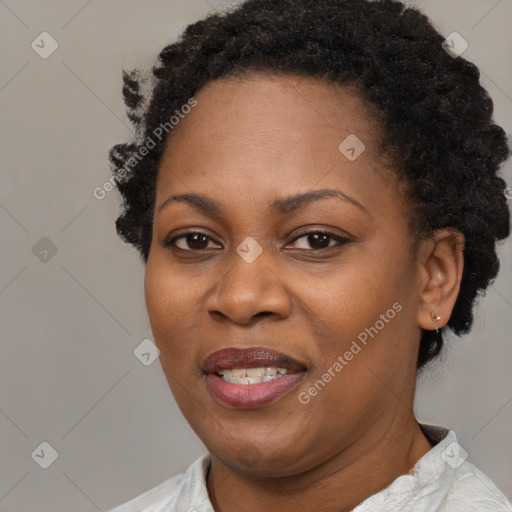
<point x="251" y="395"/>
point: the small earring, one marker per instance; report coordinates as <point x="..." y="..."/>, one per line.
<point x="435" y="318"/>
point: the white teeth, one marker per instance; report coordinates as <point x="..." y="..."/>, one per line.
<point x="252" y="375"/>
<point x="253" y="372"/>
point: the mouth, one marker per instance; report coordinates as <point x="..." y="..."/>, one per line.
<point x="253" y="377"/>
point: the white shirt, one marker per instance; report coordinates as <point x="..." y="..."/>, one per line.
<point x="441" y="481"/>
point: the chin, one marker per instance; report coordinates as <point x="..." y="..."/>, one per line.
<point x="269" y="456"/>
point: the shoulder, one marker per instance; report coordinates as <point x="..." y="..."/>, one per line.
<point x="443" y="480"/>
<point x="472" y="491"/>
<point x="459" y="484"/>
<point x="170" y="493"/>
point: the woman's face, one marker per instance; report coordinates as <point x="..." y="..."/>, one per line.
<point x="263" y="275"/>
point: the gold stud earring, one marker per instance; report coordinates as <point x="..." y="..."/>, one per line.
<point x="435" y="318"/>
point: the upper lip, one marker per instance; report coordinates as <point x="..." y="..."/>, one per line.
<point x="229" y="358"/>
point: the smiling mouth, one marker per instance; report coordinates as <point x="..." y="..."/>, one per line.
<point x="251" y="377"/>
<point x="254" y="362"/>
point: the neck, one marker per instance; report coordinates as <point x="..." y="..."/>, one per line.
<point x="337" y="485"/>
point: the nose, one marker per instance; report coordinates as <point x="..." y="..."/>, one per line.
<point x="248" y="291"/>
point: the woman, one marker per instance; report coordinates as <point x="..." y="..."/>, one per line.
<point x="314" y="191"/>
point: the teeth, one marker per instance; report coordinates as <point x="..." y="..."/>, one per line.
<point x="254" y="372"/>
<point x="252" y="375"/>
<point x="236" y="372"/>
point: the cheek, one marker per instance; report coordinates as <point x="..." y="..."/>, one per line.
<point x="355" y="292"/>
<point x="157" y="295"/>
<point x="168" y="299"/>
<point x="174" y="301"/>
<point x="366" y="303"/>
<point x="171" y="293"/>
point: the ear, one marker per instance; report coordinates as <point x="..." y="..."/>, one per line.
<point x="441" y="259"/>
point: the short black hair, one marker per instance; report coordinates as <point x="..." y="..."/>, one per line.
<point x="436" y="117"/>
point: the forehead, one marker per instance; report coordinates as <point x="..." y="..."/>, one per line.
<point x="284" y="104"/>
<point x="260" y="135"/>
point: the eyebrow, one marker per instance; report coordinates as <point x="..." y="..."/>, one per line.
<point x="282" y="206"/>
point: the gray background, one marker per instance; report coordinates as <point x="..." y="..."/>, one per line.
<point x="70" y="324"/>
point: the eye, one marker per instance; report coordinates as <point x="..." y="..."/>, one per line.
<point x="194" y="241"/>
<point x="319" y="240"/>
<point x="189" y="241"/>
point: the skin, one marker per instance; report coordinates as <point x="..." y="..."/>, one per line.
<point x="249" y="141"/>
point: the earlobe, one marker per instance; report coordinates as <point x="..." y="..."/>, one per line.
<point x="441" y="266"/>
<point x="435" y="318"/>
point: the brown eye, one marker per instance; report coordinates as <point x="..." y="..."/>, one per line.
<point x="196" y="241"/>
<point x="318" y="240"/>
<point x="191" y="241"/>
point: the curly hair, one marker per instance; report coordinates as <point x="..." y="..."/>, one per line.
<point x="436" y="118"/>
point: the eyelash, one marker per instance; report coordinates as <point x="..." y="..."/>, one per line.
<point x="170" y="242"/>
